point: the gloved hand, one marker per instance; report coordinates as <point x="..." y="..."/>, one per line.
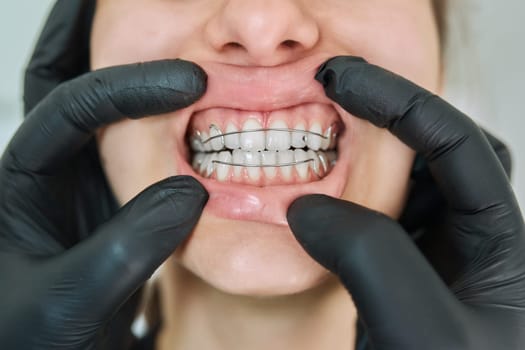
<point x="401" y="299"/>
<point x="59" y="290"/>
<point x="82" y="200"/>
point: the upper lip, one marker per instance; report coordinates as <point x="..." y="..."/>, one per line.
<point x="262" y="89"/>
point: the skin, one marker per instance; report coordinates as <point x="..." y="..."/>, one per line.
<point x="255" y="272"/>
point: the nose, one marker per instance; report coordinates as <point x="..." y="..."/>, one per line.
<point x="262" y="32"/>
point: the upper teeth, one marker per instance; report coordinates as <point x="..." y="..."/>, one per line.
<point x="252" y="137"/>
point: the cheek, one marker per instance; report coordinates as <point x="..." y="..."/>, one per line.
<point x="134" y="154"/>
<point x="136" y="31"/>
<point x="380" y="174"/>
<point x="399" y="35"/>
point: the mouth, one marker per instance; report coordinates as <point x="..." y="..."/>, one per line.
<point x="288" y="146"/>
<point x="268" y="144"/>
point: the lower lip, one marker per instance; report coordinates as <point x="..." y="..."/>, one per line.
<point x="265" y="204"/>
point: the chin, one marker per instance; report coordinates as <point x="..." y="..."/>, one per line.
<point x="249" y="258"/>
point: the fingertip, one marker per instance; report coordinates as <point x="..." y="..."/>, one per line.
<point x="185" y="184"/>
<point x="308" y="217"/>
<point x="184" y="190"/>
<point x="150" y="88"/>
<point x="301" y="206"/>
<point x="328" y="71"/>
<point x="197" y="83"/>
<point x="184" y="78"/>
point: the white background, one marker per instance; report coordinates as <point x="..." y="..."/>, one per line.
<point x="486" y="75"/>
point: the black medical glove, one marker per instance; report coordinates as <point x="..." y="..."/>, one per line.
<point x="62" y="53"/>
<point x="425" y="203"/>
<point x="401" y="299"/>
<point x="59" y="291"/>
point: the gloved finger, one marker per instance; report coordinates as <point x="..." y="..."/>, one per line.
<point x="460" y="159"/>
<point x="62" y="50"/>
<point x="122" y="254"/>
<point x="391" y="283"/>
<point x="65" y="120"/>
<point x="425" y="202"/>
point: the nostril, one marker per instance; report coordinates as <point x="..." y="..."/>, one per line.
<point x="291" y="44"/>
<point x="233" y="45"/>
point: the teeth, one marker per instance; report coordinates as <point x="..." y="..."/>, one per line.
<point x="254" y="164"/>
<point x="298" y="137"/>
<point x="302" y="168"/>
<point x="211" y="165"/>
<point x="197" y="160"/>
<point x="315" y="164"/>
<point x="333" y="140"/>
<point x="254" y="138"/>
<point x="278" y="140"/>
<point x="196" y="142"/>
<point x="252" y="141"/>
<point x="332" y="158"/>
<point x="217" y="143"/>
<point x="205" y="145"/>
<point x="314" y="141"/>
<point x="327" y="140"/>
<point x="223" y="170"/>
<point x="285" y="157"/>
<point x="255" y="153"/>
<point x="232" y="141"/>
<point x="204" y="163"/>
<point x="323" y="160"/>
<point x="237" y="158"/>
<point x="269" y="158"/>
<point x="253" y="158"/>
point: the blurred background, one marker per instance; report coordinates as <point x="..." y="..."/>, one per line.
<point x="485" y="71"/>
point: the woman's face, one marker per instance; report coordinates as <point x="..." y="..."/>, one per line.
<point x="261" y="57"/>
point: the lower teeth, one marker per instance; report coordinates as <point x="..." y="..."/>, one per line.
<point x="237" y="164"/>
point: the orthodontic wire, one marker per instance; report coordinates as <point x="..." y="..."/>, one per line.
<point x="218" y="162"/>
<point x="222" y="135"/>
<point x="305" y="132"/>
<point x="316" y="173"/>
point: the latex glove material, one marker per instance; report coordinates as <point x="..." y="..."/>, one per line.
<point x="61" y="54"/>
<point x="426" y="212"/>
<point x="425" y="201"/>
<point x="401" y="300"/>
<point x="57" y="294"/>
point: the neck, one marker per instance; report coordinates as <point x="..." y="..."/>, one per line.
<point x="198" y="316"/>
